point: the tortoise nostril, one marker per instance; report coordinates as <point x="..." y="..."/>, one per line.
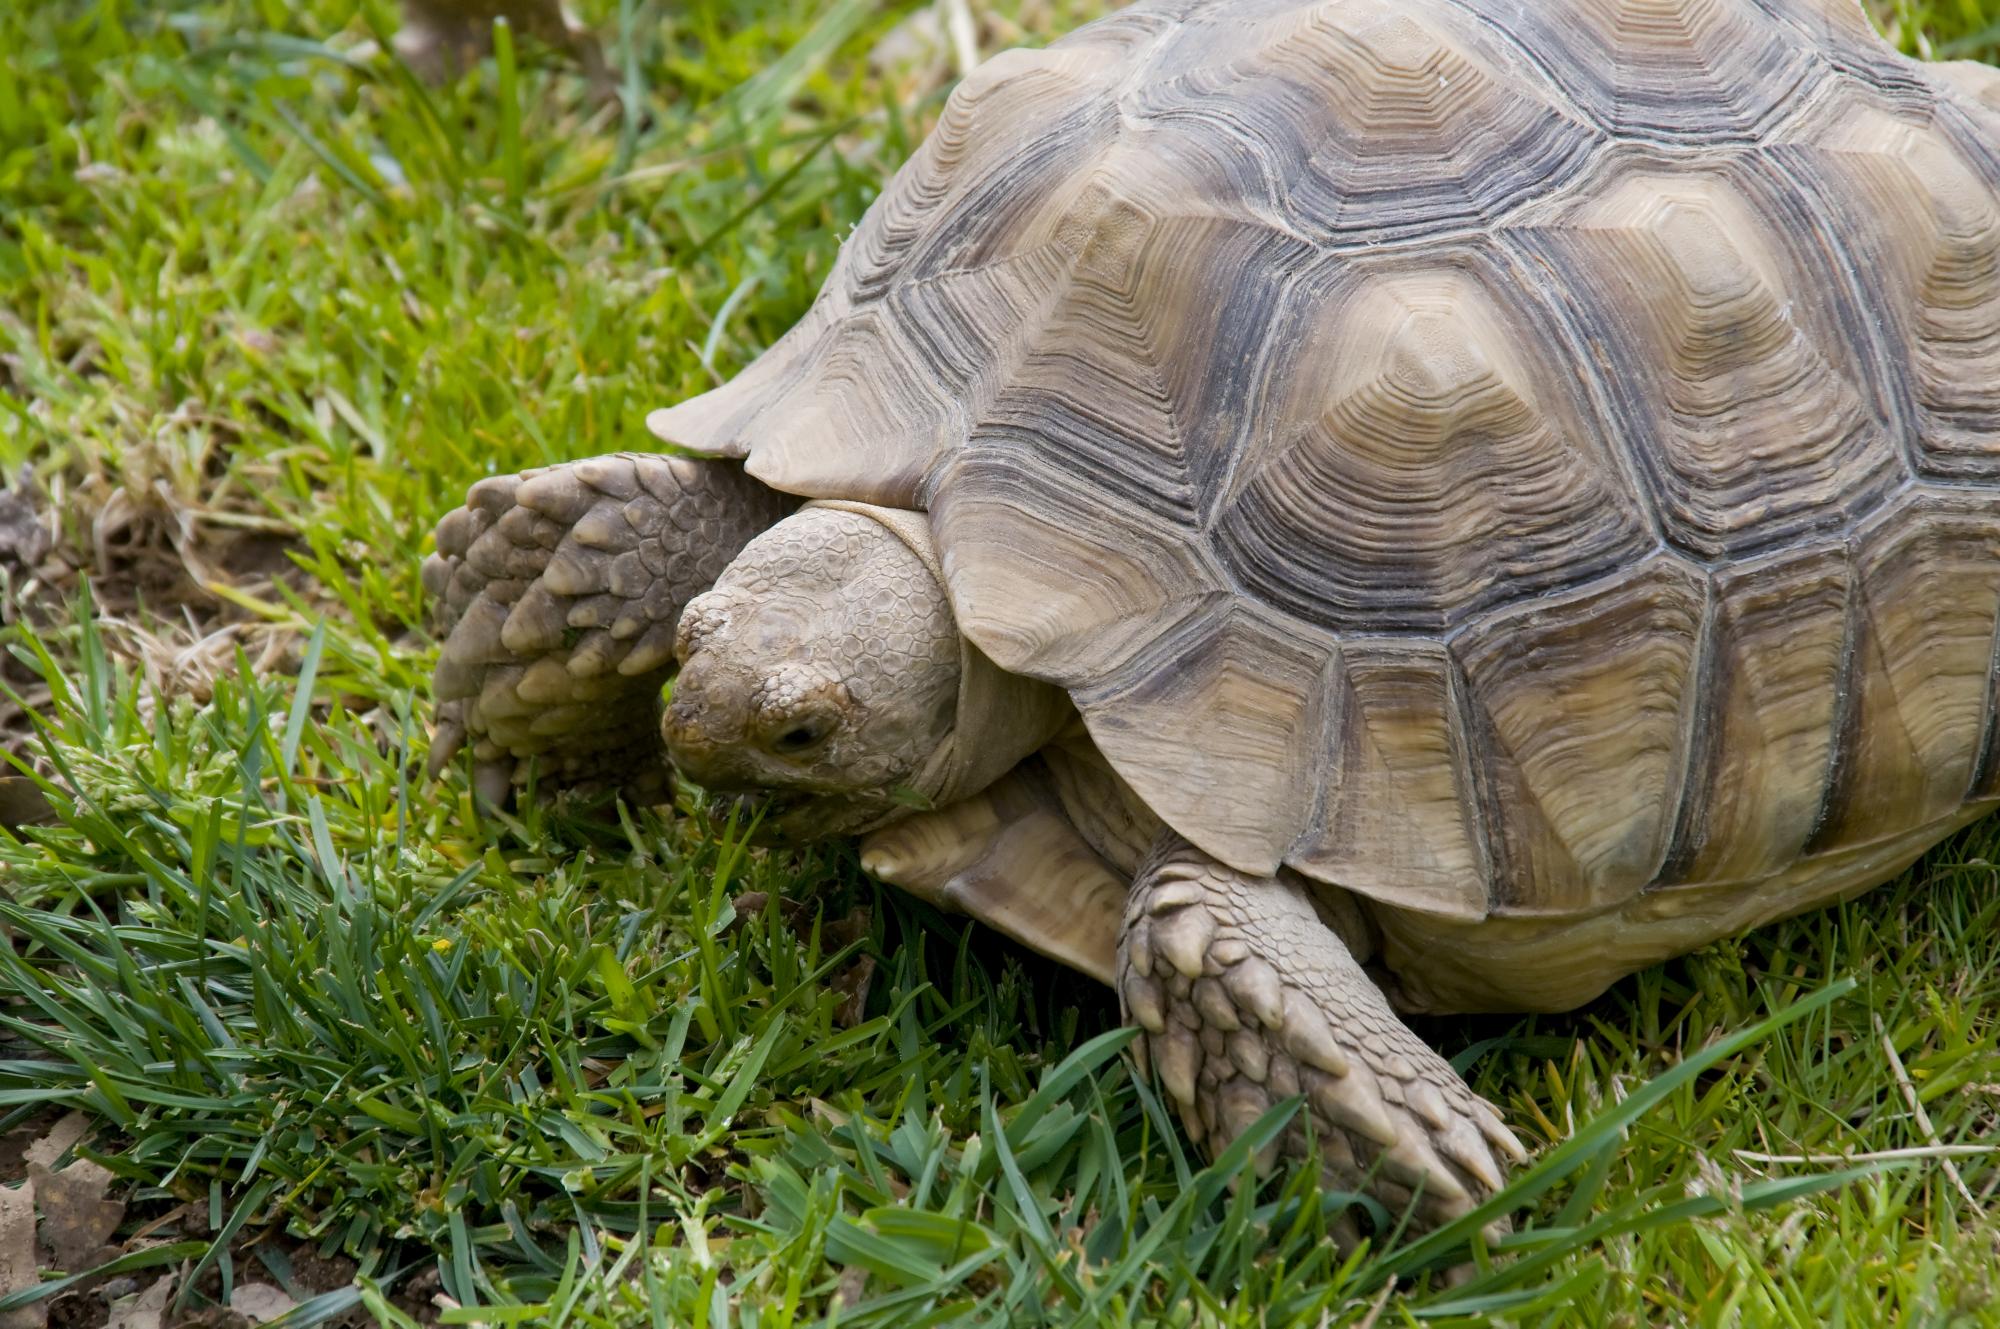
<point x="678" y="724"/>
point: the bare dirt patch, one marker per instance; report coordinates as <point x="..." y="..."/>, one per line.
<point x="155" y="571"/>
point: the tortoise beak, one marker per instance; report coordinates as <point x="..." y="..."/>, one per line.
<point x="763" y="814"/>
<point x="704" y="732"/>
<point x="689" y="746"/>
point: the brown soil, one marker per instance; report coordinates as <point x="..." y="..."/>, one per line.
<point x="150" y="570"/>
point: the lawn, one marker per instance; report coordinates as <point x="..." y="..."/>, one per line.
<point x="319" y="1034"/>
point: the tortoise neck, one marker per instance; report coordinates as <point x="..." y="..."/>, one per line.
<point x="1002" y="718"/>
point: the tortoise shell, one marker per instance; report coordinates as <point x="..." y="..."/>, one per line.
<point x="1501" y="459"/>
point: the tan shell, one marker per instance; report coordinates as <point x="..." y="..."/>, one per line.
<point x="1503" y="459"/>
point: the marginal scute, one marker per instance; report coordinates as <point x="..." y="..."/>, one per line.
<point x="1748" y="410"/>
<point x="1400" y="823"/>
<point x="1929" y="596"/>
<point x="717" y="423"/>
<point x="1013" y="560"/>
<point x="1580" y="705"/>
<point x="1217" y="724"/>
<point x="1764" y="747"/>
<point x="868" y="386"/>
<point x="1928" y="246"/>
<point x="843" y="406"/>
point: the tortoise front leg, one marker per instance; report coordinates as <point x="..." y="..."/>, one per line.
<point x="557" y="592"/>
<point x="1246" y="997"/>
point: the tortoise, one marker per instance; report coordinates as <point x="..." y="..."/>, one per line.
<point x="1312" y="511"/>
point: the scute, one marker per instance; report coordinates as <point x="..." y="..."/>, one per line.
<point x="1427" y="460"/>
<point x="1927" y="602"/>
<point x="1018" y="140"/>
<point x="1930" y="260"/>
<point x="1776" y="661"/>
<point x="1372" y="121"/>
<point x="1222" y="719"/>
<point x="1726" y="345"/>
<point x="1400" y="819"/>
<point x="1504" y="459"/>
<point x="1675" y="70"/>
<point x="1580" y="723"/>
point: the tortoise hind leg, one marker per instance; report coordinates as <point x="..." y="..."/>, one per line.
<point x="1246" y="997"/>
<point x="557" y="592"/>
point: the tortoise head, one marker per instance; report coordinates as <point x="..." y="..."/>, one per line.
<point x="818" y="677"/>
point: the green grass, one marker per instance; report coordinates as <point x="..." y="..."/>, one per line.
<point x="260" y="291"/>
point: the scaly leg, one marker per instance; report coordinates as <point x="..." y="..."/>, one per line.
<point x="1246" y="997"/>
<point x="557" y="592"/>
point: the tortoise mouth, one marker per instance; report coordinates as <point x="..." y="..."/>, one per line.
<point x="761" y="809"/>
<point x="779" y="817"/>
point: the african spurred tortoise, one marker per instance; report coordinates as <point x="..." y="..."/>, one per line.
<point x="1326" y="510"/>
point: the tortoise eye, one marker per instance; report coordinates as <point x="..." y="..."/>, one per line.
<point x="799" y="738"/>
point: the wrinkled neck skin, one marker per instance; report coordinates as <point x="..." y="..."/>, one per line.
<point x="821" y="677"/>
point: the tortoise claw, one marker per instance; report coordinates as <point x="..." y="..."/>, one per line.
<point x="1280" y="1007"/>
